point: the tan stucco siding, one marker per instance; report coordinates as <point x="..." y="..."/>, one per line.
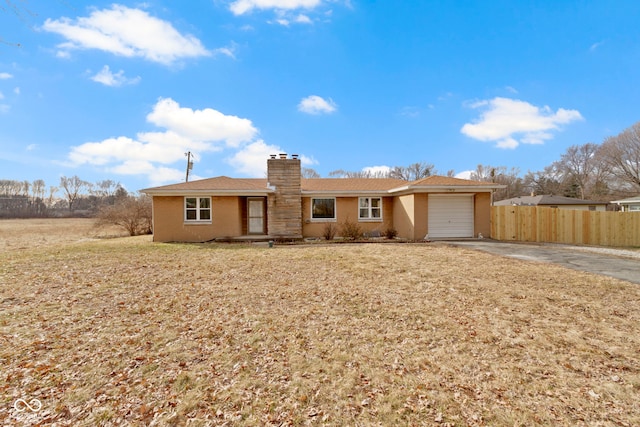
<point x="403" y="215"/>
<point x="482" y="214"/>
<point x="169" y="224"/>
<point x="346" y="210"/>
<point x="421" y="213"/>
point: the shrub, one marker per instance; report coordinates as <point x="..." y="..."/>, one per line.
<point x="390" y="233"/>
<point x="329" y="231"/>
<point x="131" y="213"/>
<point x="351" y="230"/>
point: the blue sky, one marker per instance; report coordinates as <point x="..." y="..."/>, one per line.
<point x="121" y="91"/>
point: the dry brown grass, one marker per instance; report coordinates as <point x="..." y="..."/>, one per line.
<point x="16" y="234"/>
<point x="124" y="331"/>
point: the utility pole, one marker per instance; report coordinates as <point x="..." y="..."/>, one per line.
<point x="189" y="164"/>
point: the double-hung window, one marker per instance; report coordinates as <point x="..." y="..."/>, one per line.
<point x="197" y="209"/>
<point x="370" y="208"/>
<point x="323" y="209"/>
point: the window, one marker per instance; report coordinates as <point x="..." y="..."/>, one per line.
<point x="323" y="208"/>
<point x="370" y="208"/>
<point x="592" y="208"/>
<point x="197" y="209"/>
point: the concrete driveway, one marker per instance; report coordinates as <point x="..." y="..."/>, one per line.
<point x="621" y="264"/>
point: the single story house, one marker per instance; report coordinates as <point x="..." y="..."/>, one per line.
<point x="286" y="206"/>
<point x="551" y="201"/>
<point x="632" y="204"/>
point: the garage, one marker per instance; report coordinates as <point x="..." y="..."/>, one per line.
<point x="450" y="215"/>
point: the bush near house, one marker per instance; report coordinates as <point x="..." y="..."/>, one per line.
<point x="133" y="214"/>
<point x="350" y="230"/>
<point x="329" y="231"/>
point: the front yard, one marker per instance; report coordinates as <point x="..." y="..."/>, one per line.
<point x="124" y="331"/>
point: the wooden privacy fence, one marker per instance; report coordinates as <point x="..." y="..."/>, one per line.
<point x="575" y="227"/>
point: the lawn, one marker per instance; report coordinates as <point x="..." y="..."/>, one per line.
<point x="123" y="331"/>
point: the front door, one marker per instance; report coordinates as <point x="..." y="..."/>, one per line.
<point x="256" y="215"/>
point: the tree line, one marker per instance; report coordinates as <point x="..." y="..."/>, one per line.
<point x="106" y="201"/>
<point x="598" y="172"/>
<point x="27" y="199"/>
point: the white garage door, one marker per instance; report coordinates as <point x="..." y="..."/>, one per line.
<point x="450" y="215"/>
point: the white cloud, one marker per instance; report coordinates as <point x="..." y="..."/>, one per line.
<point x="285" y="18"/>
<point x="1" y="95"/>
<point x="303" y="19"/>
<point x="31" y="147"/>
<point x="464" y="174"/>
<point x="229" y="51"/>
<point x="16" y="90"/>
<point x="151" y="153"/>
<point x="316" y="105"/>
<point x="509" y="122"/>
<point x="240" y="7"/>
<point x="107" y="78"/>
<point x="126" y="32"/>
<point x="411" y="112"/>
<point x="4" y="76"/>
<point x="204" y="125"/>
<point x="157" y="174"/>
<point x="251" y="160"/>
<point x="4" y="108"/>
<point x="595" y="46"/>
<point x="307" y="161"/>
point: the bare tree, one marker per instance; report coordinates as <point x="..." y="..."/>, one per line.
<point x="10" y="187"/>
<point x="134" y="214"/>
<point x="310" y="173"/>
<point x="72" y="188"/>
<point x="38" y="189"/>
<point x="22" y="10"/>
<point x="341" y="173"/>
<point x="413" y="172"/>
<point x="583" y="172"/>
<point x="52" y="192"/>
<point x="621" y="154"/>
<point x="547" y="181"/>
<point x="106" y="188"/>
<point x="500" y="175"/>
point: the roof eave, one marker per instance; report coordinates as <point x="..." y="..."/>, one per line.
<point x="447" y="188"/>
<point x="382" y="193"/>
<point x="199" y="192"/>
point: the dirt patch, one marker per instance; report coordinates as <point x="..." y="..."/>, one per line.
<point x="124" y="331"/>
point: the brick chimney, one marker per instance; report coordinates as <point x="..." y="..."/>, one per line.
<point x="284" y="215"/>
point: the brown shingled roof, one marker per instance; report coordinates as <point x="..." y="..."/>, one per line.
<point x="219" y="183"/>
<point x="438" y="180"/>
<point x="351" y="184"/>
<point x="314" y="185"/>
